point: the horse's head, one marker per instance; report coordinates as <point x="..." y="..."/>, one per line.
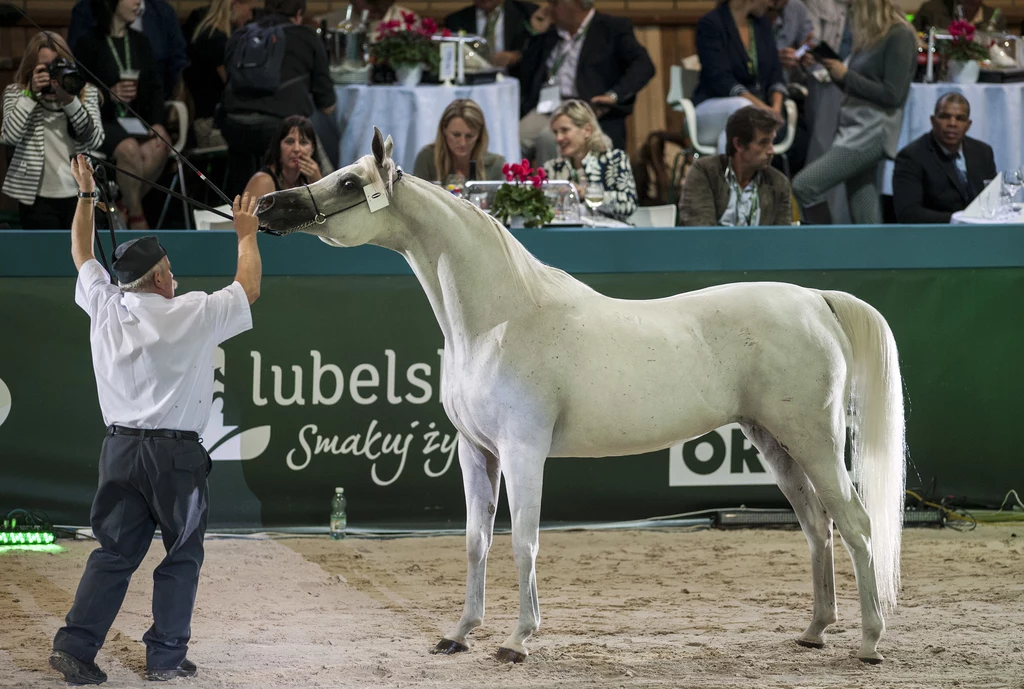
<point x="342" y="208"/>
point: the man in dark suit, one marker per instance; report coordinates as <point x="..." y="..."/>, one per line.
<point x="579" y="53"/>
<point x="504" y="23"/>
<point x="944" y="170"/>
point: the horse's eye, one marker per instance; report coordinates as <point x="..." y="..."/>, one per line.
<point x="348" y="185"/>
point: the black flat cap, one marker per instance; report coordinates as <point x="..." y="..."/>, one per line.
<point x="134" y="258"/>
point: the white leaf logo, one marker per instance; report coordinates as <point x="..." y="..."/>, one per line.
<point x="5" y="402"/>
<point x="227" y="443"/>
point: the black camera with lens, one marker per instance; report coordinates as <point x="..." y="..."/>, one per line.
<point x="65" y="73"/>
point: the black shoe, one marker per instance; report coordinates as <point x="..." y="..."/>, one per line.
<point x="76" y="671"/>
<point x="186" y="669"/>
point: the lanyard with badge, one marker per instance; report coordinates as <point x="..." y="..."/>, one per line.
<point x="131" y="125"/>
<point x="752" y="50"/>
<point x="551" y="95"/>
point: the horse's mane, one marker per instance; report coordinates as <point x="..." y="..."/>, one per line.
<point x="537" y="279"/>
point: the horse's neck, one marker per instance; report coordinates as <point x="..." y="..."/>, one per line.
<point x="459" y="259"/>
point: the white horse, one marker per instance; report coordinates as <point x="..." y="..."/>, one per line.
<point x="538" y="365"/>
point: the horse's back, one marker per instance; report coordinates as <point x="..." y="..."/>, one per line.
<point x="627" y="376"/>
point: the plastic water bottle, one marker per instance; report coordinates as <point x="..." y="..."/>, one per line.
<point x="338" y="518"/>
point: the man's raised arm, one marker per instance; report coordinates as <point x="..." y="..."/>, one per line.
<point x="250" y="265"/>
<point x="82" y="224"/>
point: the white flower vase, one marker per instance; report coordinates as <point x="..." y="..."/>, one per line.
<point x="964" y="71"/>
<point x="408" y="75"/>
<point x="516" y="222"/>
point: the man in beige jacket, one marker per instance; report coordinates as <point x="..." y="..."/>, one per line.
<point x="740" y="188"/>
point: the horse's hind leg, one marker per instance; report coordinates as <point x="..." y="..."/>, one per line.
<point x="821" y="457"/>
<point x="482" y="478"/>
<point x="816" y="525"/>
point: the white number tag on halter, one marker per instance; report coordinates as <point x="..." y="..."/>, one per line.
<point x="376" y="196"/>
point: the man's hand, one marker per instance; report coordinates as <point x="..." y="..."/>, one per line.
<point x="244" y="211"/>
<point x="81" y="170"/>
<point x="309" y="168"/>
<point x="506" y="58"/>
<point x="836" y="69"/>
<point x="541" y="20"/>
<point x="602" y="104"/>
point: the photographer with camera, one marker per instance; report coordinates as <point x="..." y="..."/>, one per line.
<point x="49" y="115"/>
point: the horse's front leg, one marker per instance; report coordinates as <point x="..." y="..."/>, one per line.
<point x="482" y="478"/>
<point x="524" y="475"/>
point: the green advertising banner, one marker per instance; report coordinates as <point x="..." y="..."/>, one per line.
<point x="337" y="385"/>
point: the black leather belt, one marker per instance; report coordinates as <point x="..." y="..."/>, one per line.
<point x="152" y="433"/>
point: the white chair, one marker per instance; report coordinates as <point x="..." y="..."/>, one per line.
<point x="654" y="216"/>
<point x="206" y="220"/>
<point x="181" y="113"/>
<point x="682" y="83"/>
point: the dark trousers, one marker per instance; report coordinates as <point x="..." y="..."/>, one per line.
<point x="145" y="482"/>
<point x="48" y="214"/>
<point x="248" y="136"/>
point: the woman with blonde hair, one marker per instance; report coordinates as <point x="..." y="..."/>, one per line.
<point x="47" y="125"/>
<point x="876" y="81"/>
<point x="586" y="158"/>
<point x="459" y="153"/>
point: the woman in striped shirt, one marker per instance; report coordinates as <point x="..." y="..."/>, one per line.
<point x="47" y="126"/>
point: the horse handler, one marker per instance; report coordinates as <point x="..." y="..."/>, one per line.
<point x="153" y="356"/>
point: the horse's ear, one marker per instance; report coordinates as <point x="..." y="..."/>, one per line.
<point x="381" y="150"/>
<point x="389" y="146"/>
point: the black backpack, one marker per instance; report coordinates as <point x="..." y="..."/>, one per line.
<point x="253" y="59"/>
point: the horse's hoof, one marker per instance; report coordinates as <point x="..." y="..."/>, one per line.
<point x="448" y="647"/>
<point x="871" y="661"/>
<point x="507" y="655"/>
<point x="810" y="644"/>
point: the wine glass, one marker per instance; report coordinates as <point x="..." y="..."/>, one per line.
<point x="593" y="196"/>
<point x="1012" y="183"/>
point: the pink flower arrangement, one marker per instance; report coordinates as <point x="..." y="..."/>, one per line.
<point x="521" y="195"/>
<point x="964" y="45"/>
<point x="407" y="41"/>
<point x="521" y="173"/>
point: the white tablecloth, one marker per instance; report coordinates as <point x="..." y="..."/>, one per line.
<point x="961" y="218"/>
<point x="997" y="113"/>
<point x="410" y="115"/>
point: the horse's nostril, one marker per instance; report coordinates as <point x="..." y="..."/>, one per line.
<point x="265" y="203"/>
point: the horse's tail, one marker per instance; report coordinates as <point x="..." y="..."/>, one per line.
<point x="878" y="441"/>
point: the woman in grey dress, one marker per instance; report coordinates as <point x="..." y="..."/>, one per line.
<point x="876" y="82"/>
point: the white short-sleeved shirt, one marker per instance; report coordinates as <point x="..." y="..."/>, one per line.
<point x="153" y="357"/>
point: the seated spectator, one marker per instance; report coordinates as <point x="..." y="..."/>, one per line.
<point x="119" y="55"/>
<point x="459" y="153"/>
<point x="940" y="13"/>
<point x="290" y="161"/>
<point x="249" y="120"/>
<point x="158" y="21"/>
<point x="793" y="28"/>
<point x="740" y="188"/>
<point x="46" y="125"/>
<point x="207" y="30"/>
<point x="944" y="170"/>
<point x="875" y="82"/>
<point x="579" y="53"/>
<point x="504" y="23"/>
<point x="739" y="66"/>
<point x="586" y="156"/>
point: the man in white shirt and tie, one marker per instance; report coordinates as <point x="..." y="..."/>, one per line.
<point x="504" y="23"/>
<point x="153" y="356"/>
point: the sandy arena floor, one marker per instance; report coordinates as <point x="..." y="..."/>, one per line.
<point x="620" y="609"/>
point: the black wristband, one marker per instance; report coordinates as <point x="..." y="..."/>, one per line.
<point x="88" y="194"/>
